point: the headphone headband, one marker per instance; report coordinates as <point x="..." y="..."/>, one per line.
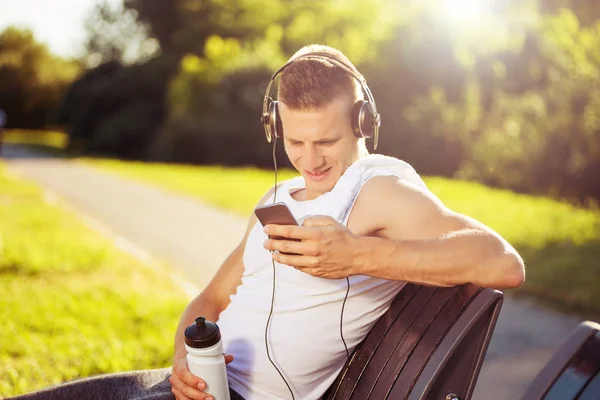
<point x="376" y="118"/>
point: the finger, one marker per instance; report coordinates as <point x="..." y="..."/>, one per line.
<point x="186" y="382"/>
<point x="192" y="393"/>
<point x="290" y="231"/>
<point x="184" y="390"/>
<point x="178" y="395"/>
<point x="184" y="395"/>
<point x="289" y="246"/>
<point x="318" y="220"/>
<point x="186" y="377"/>
<point x="296" y="261"/>
<point x="192" y="380"/>
<point x="228" y="358"/>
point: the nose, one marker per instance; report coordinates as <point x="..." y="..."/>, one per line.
<point x="314" y="158"/>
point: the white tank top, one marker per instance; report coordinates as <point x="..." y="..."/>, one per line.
<point x="304" y="333"/>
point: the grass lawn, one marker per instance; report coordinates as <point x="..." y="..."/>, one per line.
<point x="53" y="139"/>
<point x="51" y="142"/>
<point x="559" y="242"/>
<point x="71" y="304"/>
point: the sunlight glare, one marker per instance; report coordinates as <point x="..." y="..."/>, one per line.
<point x="465" y="10"/>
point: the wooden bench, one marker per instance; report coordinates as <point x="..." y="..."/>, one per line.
<point x="430" y="344"/>
<point x="573" y="372"/>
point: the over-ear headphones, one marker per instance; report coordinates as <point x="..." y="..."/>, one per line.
<point x="365" y="119"/>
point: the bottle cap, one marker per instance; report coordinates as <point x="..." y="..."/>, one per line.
<point x="202" y="334"/>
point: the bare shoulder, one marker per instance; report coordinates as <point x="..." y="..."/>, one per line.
<point x="383" y="192"/>
<point x="398" y="209"/>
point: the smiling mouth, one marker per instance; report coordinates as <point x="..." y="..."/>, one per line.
<point x="318" y="175"/>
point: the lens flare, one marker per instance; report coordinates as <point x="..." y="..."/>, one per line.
<point x="465" y="10"/>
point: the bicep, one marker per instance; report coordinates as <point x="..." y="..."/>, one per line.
<point x="410" y="212"/>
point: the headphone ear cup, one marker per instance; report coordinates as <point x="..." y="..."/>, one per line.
<point x="278" y="123"/>
<point x="362" y="119"/>
<point x="272" y="122"/>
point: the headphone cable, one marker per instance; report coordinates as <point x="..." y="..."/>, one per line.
<point x="273" y="295"/>
<point x="275" y="166"/>
<point x="342" y="319"/>
<point x="273" y="291"/>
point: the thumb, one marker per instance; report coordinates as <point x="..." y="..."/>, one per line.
<point x="318" y="220"/>
<point x="228" y="358"/>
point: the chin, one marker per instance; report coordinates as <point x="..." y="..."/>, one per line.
<point x="320" y="187"/>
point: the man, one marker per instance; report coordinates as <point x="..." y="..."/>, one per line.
<point x="368" y="225"/>
<point x="397" y="231"/>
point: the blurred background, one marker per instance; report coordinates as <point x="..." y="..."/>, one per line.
<point x="502" y="92"/>
<point x="496" y="103"/>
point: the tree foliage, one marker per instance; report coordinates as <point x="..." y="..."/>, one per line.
<point x="32" y="80"/>
<point x="116" y="34"/>
<point x="509" y="98"/>
<point x="527" y="114"/>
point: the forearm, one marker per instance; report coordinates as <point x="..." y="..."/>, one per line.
<point x="200" y="306"/>
<point x="466" y="256"/>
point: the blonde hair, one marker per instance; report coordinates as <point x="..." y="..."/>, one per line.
<point x="313" y="83"/>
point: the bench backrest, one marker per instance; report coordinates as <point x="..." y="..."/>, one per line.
<point x="429" y="344"/>
<point x="573" y="372"/>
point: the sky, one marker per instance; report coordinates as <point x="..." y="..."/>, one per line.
<point x="57" y="23"/>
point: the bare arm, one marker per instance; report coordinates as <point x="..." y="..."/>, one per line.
<point x="210" y="303"/>
<point x="420" y="240"/>
<point x="214" y="298"/>
<point x="403" y="233"/>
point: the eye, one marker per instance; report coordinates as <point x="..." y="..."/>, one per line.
<point x="292" y="142"/>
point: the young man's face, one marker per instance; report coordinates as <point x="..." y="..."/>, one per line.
<point x="320" y="143"/>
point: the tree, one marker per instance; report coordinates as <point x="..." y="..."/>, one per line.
<point x="32" y="80"/>
<point x="229" y="50"/>
<point x="528" y="116"/>
<point x="115" y="34"/>
<point x="162" y="20"/>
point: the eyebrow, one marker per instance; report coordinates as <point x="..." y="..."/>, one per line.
<point x="321" y="141"/>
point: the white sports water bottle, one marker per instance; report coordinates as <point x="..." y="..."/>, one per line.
<point x="205" y="357"/>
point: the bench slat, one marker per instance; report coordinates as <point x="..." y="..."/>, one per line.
<point x="411" y="349"/>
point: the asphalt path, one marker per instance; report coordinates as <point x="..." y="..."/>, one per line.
<point x="195" y="238"/>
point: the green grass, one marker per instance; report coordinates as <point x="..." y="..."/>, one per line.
<point x="71" y="304"/>
<point x="51" y="139"/>
<point x="559" y="242"/>
<point x="50" y="143"/>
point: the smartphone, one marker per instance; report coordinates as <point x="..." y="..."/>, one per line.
<point x="279" y="214"/>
